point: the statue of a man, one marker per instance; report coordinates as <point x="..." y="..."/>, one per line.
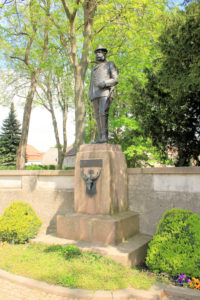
<point x="104" y="77"/>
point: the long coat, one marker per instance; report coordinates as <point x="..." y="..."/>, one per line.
<point x="103" y="73"/>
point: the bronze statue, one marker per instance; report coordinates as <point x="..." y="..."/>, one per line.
<point x="104" y="77"/>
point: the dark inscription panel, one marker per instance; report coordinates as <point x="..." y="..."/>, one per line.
<point x="89" y="163"/>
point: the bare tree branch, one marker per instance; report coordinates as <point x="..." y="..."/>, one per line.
<point x="15" y="57"/>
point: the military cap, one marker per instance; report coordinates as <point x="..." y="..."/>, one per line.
<point x="101" y="48"/>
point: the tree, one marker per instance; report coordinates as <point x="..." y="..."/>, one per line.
<point x="76" y="40"/>
<point x="25" y="30"/>
<point x="55" y="91"/>
<point x="135" y="27"/>
<point x="9" y="139"/>
<point x="92" y="21"/>
<point x="169" y="106"/>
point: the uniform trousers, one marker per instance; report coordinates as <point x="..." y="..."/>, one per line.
<point x="101" y="107"/>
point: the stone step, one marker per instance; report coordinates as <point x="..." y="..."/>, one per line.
<point x="129" y="253"/>
<point x="102" y="229"/>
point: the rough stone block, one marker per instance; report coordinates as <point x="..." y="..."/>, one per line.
<point x="103" y="229"/>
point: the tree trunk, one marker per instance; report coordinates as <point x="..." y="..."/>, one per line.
<point x="79" y="111"/>
<point x="89" y="7"/>
<point x="21" y="152"/>
<point x="65" y="115"/>
<point x="80" y="67"/>
<point x="60" y="159"/>
<point x="55" y="127"/>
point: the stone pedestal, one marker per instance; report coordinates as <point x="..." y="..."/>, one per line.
<point x="101" y="229"/>
<point x="110" y="196"/>
<point x="101" y="217"/>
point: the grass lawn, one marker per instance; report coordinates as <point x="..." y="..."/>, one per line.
<point x="86" y="270"/>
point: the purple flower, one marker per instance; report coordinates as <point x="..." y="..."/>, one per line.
<point x="182" y="276"/>
<point x="180" y="279"/>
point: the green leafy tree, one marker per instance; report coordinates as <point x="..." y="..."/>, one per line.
<point x="9" y="139"/>
<point x="55" y="91"/>
<point x="169" y="104"/>
<point x="136" y="27"/>
<point x="24" y="28"/>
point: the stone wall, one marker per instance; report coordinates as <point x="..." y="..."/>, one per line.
<point x="153" y="191"/>
<point x="48" y="192"/>
<point x="150" y="193"/>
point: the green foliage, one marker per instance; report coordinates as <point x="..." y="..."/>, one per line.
<point x="7" y="167"/>
<point x="46" y="167"/>
<point x="67" y="280"/>
<point x="41" y="167"/>
<point x="89" y="270"/>
<point x="19" y="223"/>
<point x="68" y="252"/>
<point x="138" y="148"/>
<point x="36" y="167"/>
<point x="136" y="27"/>
<point x="175" y="248"/>
<point x="9" y="139"/>
<point x="168" y="106"/>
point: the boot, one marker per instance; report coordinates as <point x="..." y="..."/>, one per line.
<point x="104" y="137"/>
<point x="99" y="130"/>
<point x="106" y="126"/>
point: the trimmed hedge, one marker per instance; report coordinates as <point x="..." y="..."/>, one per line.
<point x="175" y="248"/>
<point x="19" y="223"/>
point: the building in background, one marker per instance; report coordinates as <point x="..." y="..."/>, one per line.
<point x="50" y="157"/>
<point x="70" y="156"/>
<point x="33" y="156"/>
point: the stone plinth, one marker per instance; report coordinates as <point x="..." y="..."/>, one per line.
<point x="111" y="186"/>
<point x="102" y="229"/>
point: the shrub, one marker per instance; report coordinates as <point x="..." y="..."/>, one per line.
<point x="19" y="223"/>
<point x="41" y="167"/>
<point x="70" y="251"/>
<point x="46" y="167"/>
<point x="175" y="248"/>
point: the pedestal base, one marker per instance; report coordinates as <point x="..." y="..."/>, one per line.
<point x="102" y="229"/>
<point x="130" y="253"/>
<point x="109" y="195"/>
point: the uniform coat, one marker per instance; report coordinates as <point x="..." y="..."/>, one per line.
<point x="103" y="74"/>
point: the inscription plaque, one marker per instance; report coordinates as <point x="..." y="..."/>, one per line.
<point x="91" y="163"/>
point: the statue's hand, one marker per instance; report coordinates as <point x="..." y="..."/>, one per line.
<point x="102" y="85"/>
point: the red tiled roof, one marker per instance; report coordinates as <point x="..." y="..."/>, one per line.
<point x="32" y="154"/>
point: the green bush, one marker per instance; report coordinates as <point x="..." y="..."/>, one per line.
<point x="19" y="223"/>
<point x="7" y="167"/>
<point x="41" y="167"/>
<point x="68" y="251"/>
<point x="46" y="167"/>
<point x="175" y="248"/>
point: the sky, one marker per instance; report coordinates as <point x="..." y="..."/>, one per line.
<point x="41" y="133"/>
